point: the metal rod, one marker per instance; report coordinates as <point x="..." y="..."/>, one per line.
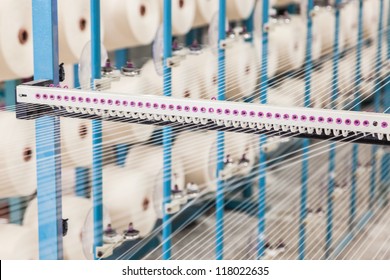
<point x="82" y="173"/>
<point x="48" y="154"/>
<point x="97" y="184"/>
<point x="220" y="200"/>
<point x="167" y="131"/>
<point x="355" y="149"/>
<point x="377" y="105"/>
<point x="306" y="142"/>
<point x="262" y="138"/>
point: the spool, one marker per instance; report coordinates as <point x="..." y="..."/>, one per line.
<point x="129" y="23"/>
<point x="73" y="29"/>
<point x="183" y="84"/>
<point x="128" y="196"/>
<point x="287" y="36"/>
<point x="238" y="9"/>
<point x="18" y="243"/>
<point x="75" y="209"/>
<point x="205" y="10"/>
<point x="16" y="44"/>
<point x="198" y="153"/>
<point x="17" y="156"/>
<point x="183" y="15"/>
<point x="371" y="18"/>
<point x="149" y="159"/>
<point x="321" y="22"/>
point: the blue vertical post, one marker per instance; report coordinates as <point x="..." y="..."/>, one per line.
<point x="262" y="140"/>
<point x="249" y="25"/>
<point x="377" y="101"/>
<point x="45" y="33"/>
<point x="167" y="131"/>
<point x="121" y="57"/>
<point x="306" y="142"/>
<point x="82" y="173"/>
<point x="356" y="107"/>
<point x="97" y="184"/>
<point x="220" y="201"/>
<point x="332" y="152"/>
<point x="15" y="204"/>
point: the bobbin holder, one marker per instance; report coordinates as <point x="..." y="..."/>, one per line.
<point x="37" y="99"/>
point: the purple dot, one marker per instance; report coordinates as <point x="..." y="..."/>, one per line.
<point x="88" y="100"/>
<point x="329" y="120"/>
<point x="294" y="117"/>
<point x="235" y="112"/>
<point x="171" y="107"/>
<point x="286" y="116"/>
<point x="155" y="106"/>
<point x="321" y="119"/>
<point x="211" y="110"/>
<point x="243" y="113"/>
<point x="95" y="100"/>
<point x="385" y="124"/>
<point x="312" y="118"/>
<point x="125" y="103"/>
<point x="140" y="104"/>
<point x="339" y="121"/>
<point x="102" y="101"/>
<point x="195" y="109"/>
<point x="73" y="98"/>
<point x="59" y="97"/>
<point x="109" y="101"/>
<point x="132" y="103"/>
<point x="117" y="102"/>
<point x="44" y="96"/>
<point x="81" y="100"/>
<point x="260" y="114"/>
<point x="269" y="115"/>
<point x="277" y="115"/>
<point x="51" y="97"/>
<point x="179" y="108"/>
<point x="163" y="106"/>
<point x="348" y="121"/>
<point x="227" y="112"/>
<point x="366" y="123"/>
<point x="252" y="114"/>
<point x="66" y="98"/>
<point x="37" y="96"/>
<point x="356" y="122"/>
<point x="303" y="118"/>
<point x="187" y="108"/>
<point x="148" y="105"/>
<point x="219" y="111"/>
<point x="203" y="110"/>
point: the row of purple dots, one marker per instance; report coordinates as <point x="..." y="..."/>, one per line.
<point x="219" y="111"/>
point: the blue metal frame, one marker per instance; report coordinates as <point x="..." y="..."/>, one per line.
<point x="82" y="173"/>
<point x="262" y="139"/>
<point x="167" y="132"/>
<point x="357" y="106"/>
<point x="45" y="32"/>
<point x="220" y="199"/>
<point x="332" y="152"/>
<point x="306" y="142"/>
<point x="15" y="204"/>
<point x="97" y="184"/>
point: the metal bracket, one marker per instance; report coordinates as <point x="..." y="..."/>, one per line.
<point x="172" y="207"/>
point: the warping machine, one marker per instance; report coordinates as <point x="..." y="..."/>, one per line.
<point x="257" y="130"/>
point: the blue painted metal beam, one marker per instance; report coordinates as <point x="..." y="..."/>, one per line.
<point x="167" y="131"/>
<point x="262" y="139"/>
<point x="332" y="152"/>
<point x="220" y="201"/>
<point x="82" y="173"/>
<point x="357" y="106"/>
<point x="45" y="32"/>
<point x="97" y="186"/>
<point x="377" y="104"/>
<point x="306" y="142"/>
